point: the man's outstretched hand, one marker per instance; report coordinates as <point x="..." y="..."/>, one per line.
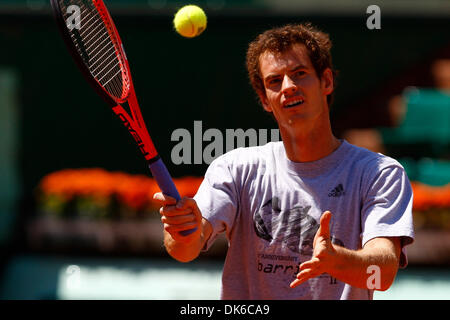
<point x="323" y="253"/>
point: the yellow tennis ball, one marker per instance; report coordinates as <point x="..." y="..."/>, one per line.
<point x="190" y="21"/>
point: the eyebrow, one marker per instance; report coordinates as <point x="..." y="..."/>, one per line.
<point x="300" y="66"/>
<point x="271" y="76"/>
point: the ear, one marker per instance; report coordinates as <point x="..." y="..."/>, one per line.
<point x="264" y="101"/>
<point x="327" y="81"/>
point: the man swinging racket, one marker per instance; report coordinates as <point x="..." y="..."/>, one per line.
<point x="309" y="217"/>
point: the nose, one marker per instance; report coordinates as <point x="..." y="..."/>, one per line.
<point x="288" y="86"/>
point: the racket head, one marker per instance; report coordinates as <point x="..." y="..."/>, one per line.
<point x="95" y="46"/>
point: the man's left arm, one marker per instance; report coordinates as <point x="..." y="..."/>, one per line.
<point x="353" y="267"/>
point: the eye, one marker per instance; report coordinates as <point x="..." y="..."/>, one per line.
<point x="273" y="81"/>
<point x="300" y="73"/>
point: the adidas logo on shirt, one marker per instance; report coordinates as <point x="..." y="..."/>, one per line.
<point x="337" y="191"/>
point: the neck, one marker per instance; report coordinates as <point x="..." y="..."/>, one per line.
<point x="306" y="146"/>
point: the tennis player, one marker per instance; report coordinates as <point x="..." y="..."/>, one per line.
<point x="309" y="217"/>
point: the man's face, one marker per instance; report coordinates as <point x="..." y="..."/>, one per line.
<point x="294" y="93"/>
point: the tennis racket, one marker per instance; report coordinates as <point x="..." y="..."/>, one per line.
<point x="94" y="43"/>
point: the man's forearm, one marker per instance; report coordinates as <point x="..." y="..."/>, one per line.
<point x="183" y="252"/>
<point x="188" y="248"/>
<point x="358" y="268"/>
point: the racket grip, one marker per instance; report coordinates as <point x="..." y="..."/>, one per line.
<point x="165" y="183"/>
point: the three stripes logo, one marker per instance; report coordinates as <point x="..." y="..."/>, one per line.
<point x="338" y="191"/>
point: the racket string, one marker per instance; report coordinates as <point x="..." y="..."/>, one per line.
<point x="93" y="29"/>
<point x="100" y="55"/>
<point x="87" y="22"/>
<point x="98" y="38"/>
<point x="107" y="72"/>
<point x="99" y="59"/>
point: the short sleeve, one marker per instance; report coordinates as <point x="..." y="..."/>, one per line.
<point x="217" y="199"/>
<point x="387" y="208"/>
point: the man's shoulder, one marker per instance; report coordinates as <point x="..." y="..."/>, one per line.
<point x="371" y="159"/>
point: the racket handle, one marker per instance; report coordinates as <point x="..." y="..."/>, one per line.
<point x="165" y="183"/>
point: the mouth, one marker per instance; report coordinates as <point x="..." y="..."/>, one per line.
<point x="293" y="103"/>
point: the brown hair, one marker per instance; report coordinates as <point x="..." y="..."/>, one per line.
<point x="278" y="40"/>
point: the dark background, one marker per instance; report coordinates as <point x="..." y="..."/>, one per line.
<point x="62" y="123"/>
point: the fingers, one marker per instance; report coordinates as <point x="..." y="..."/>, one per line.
<point x="175" y="229"/>
<point x="303" y="276"/>
<point x="172" y="211"/>
<point x="314" y="263"/>
<point x="170" y="207"/>
<point x="324" y="229"/>
<point x="295" y="283"/>
<point x="308" y="269"/>
<point x="163" y="199"/>
<point x="175" y="219"/>
<point x="178" y="216"/>
<point x="186" y="203"/>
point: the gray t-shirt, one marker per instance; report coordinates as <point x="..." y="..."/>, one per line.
<point x="270" y="209"/>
